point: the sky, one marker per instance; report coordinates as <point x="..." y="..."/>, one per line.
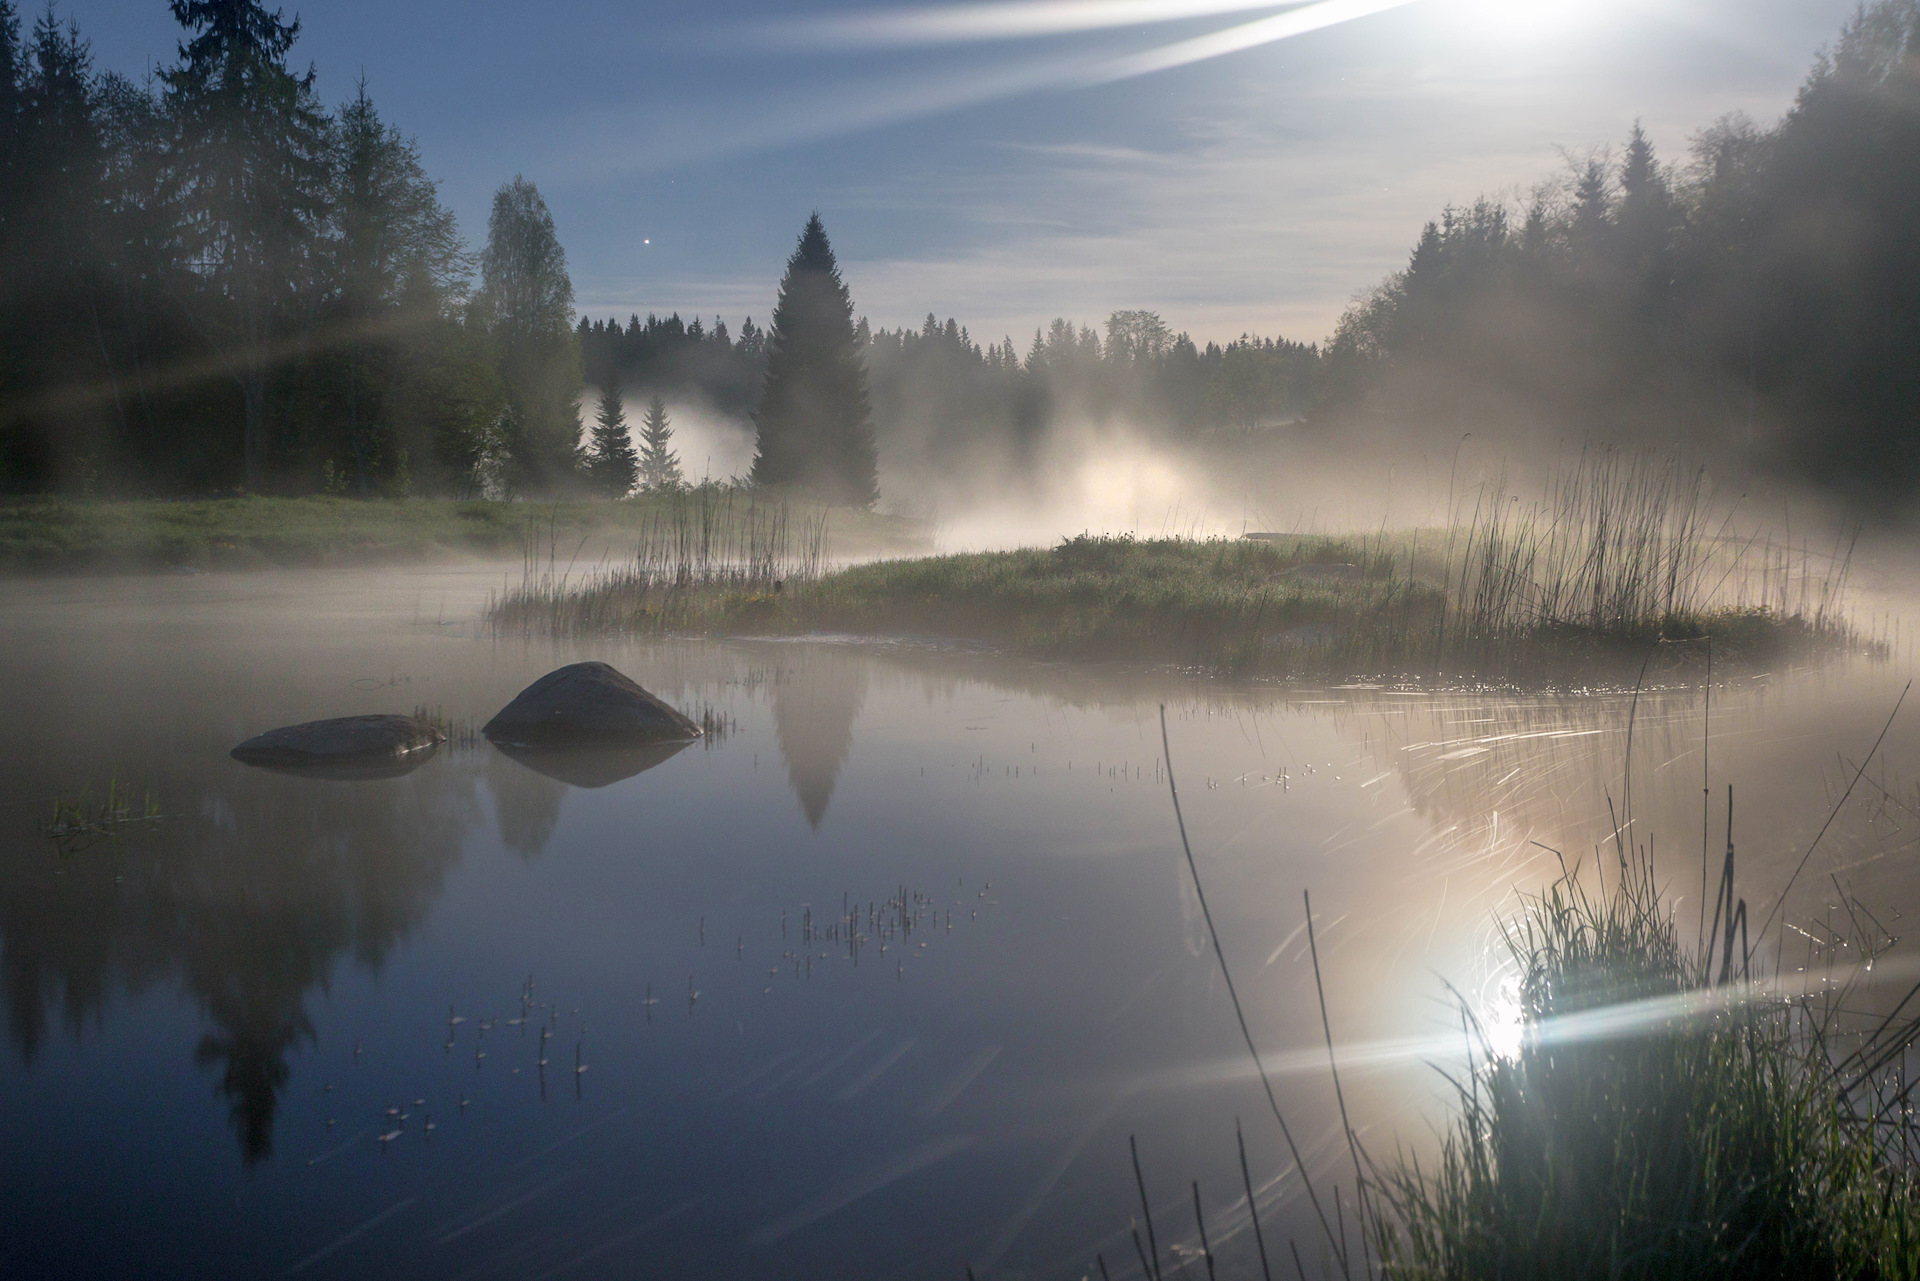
<point x="1235" y="167"/>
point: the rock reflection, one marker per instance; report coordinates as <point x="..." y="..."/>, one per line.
<point x="593" y="766"/>
<point x="247" y="895"/>
<point x="355" y="771"/>
<point x="814" y="707"/>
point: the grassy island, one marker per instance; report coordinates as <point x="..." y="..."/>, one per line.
<point x="1613" y="575"/>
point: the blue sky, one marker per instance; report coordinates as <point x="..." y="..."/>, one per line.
<point x="996" y="180"/>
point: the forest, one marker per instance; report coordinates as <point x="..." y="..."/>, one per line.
<point x="1758" y="300"/>
<point x="213" y="282"/>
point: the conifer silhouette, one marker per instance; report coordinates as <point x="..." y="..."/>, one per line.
<point x="815" y="421"/>
<point x="659" y="465"/>
<point x="611" y="463"/>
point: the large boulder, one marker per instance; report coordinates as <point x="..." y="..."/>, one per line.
<point x="587" y="705"/>
<point x="344" y="746"/>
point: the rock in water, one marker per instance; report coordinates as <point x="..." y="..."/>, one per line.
<point x="344" y="740"/>
<point x="587" y="704"/>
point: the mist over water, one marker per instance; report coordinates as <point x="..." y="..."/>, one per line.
<point x="1605" y="494"/>
<point x="216" y="1011"/>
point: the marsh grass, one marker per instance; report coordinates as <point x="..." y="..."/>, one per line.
<point x="81" y="821"/>
<point x="457" y="733"/>
<point x="1640" y="1104"/>
<point x="702" y="560"/>
<point x="1617" y="565"/>
<point x="1665" y="1113"/>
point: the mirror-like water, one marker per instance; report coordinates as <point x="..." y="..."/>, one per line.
<point x="877" y="980"/>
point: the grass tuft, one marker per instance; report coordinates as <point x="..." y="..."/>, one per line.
<point x="1653" y="1123"/>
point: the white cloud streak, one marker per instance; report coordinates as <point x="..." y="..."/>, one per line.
<point x="963" y="23"/>
<point x="1248" y="35"/>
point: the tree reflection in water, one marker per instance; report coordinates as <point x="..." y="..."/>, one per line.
<point x="814" y="708"/>
<point x="247" y="894"/>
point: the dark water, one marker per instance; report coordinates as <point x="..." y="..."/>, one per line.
<point x="215" y="1018"/>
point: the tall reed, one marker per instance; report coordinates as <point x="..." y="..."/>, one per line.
<point x="1621" y="553"/>
<point x="1666" y="1113"/>
<point x="710" y="548"/>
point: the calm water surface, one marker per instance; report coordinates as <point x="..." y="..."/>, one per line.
<point x="497" y="1018"/>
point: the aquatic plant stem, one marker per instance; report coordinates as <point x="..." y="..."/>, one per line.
<point x="1253" y="1211"/>
<point x="1206" y="1250"/>
<point x="1146" y="1211"/>
<point x="1333" y="1069"/>
<point x="1781" y="901"/>
<point x="1706" y="791"/>
<point x="1240" y="1014"/>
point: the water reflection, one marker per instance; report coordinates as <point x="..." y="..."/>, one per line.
<point x="526" y="804"/>
<point x="355" y="771"/>
<point x="592" y="766"/>
<point x="814" y="707"/>
<point x="248" y="894"/>
<point x="955" y="1095"/>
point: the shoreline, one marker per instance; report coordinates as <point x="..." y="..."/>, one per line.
<point x="62" y="537"/>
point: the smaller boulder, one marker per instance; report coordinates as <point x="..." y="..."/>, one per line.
<point x="587" y="704"/>
<point x="342" y="741"/>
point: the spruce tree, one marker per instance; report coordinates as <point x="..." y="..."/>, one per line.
<point x="659" y="465"/>
<point x="815" y="422"/>
<point x="611" y="463"/>
<point x="249" y="172"/>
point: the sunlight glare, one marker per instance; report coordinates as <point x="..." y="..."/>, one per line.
<point x="1503" y="1021"/>
<point x="1517" y="19"/>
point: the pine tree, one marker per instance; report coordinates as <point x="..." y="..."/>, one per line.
<point x="815" y="421"/>
<point x="611" y="463"/>
<point x="659" y="465"/>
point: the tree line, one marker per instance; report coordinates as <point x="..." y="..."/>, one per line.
<point x="1761" y="298"/>
<point x="210" y="281"/>
<point x="939" y="395"/>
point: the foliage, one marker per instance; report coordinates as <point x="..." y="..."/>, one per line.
<point x="814" y="419"/>
<point x="1762" y="299"/>
<point x="678" y="359"/>
<point x="526" y="299"/>
<point x="659" y="465"/>
<point x="1662" y="1116"/>
<point x="247" y="181"/>
<point x="1612" y="570"/>
<point x="612" y="466"/>
<point x="209" y="281"/>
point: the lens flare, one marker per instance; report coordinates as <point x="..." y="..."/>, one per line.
<point x="1504" y="1021"/>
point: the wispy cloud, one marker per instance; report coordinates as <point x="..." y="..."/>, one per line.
<point x="850" y="108"/>
<point x="1007" y="20"/>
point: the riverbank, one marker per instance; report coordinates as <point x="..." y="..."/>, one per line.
<point x="58" y="535"/>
